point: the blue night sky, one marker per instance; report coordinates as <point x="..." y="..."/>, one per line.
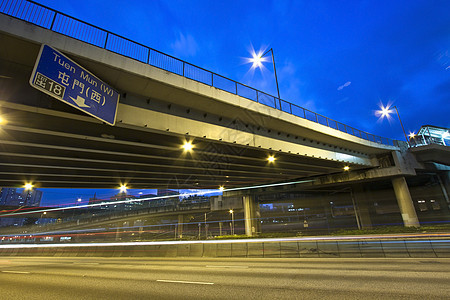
<point x="338" y="58"/>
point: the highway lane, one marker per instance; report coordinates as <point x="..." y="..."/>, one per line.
<point x="215" y="278"/>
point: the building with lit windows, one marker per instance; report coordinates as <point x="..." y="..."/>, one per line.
<point x="13" y="197"/>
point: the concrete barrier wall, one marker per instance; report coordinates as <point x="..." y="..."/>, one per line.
<point x="398" y="248"/>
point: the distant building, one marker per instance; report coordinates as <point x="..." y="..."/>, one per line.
<point x="167" y="193"/>
<point x="109" y="204"/>
<point x="168" y="200"/>
<point x="147" y="196"/>
<point x="10" y="196"/>
<point x="30" y="198"/>
<point x="94" y="200"/>
<point x="126" y="205"/>
<point x="147" y="202"/>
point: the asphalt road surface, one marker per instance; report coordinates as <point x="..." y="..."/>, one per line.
<point x="197" y="278"/>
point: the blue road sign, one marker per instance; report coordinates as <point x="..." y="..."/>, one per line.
<point x="60" y="77"/>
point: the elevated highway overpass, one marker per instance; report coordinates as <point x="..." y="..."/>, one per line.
<point x="54" y="145"/>
<point x="165" y="103"/>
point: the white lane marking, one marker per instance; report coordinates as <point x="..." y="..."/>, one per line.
<point x="235" y="267"/>
<point x="16" y="272"/>
<point x="179" y="281"/>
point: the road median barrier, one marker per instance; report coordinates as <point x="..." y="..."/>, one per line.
<point x="351" y="247"/>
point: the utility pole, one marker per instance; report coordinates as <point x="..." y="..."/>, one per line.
<point x="206" y="228"/>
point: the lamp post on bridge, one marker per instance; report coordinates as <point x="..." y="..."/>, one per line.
<point x="386" y="112"/>
<point x="257" y="61"/>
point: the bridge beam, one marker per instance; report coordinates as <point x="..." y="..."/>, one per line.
<point x="405" y="202"/>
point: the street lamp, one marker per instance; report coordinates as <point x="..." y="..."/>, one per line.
<point x="257" y="61"/>
<point x="187" y="146"/>
<point x="386" y="112"/>
<point x="123" y="188"/>
<point x="42" y="216"/>
<point x="232" y="221"/>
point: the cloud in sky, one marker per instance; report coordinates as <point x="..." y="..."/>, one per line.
<point x="185" y="45"/>
<point x="345" y="99"/>
<point x="341" y="87"/>
<point x="444" y="59"/>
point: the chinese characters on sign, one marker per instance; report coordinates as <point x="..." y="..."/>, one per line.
<point x="60" y="77"/>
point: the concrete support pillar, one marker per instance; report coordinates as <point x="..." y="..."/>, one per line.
<point x="251" y="216"/>
<point x="118" y="231"/>
<point x="180" y="226"/>
<point x="444" y="182"/>
<point x="362" y="207"/>
<point x="405" y="202"/>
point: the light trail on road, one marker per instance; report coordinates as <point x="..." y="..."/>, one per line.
<point x="249" y="240"/>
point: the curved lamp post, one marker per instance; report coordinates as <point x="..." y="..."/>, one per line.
<point x="257" y="61"/>
<point x="386" y="112"/>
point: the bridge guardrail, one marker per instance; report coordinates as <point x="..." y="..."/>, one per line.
<point x="51" y="19"/>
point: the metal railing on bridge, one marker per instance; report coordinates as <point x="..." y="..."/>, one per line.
<point x="61" y="23"/>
